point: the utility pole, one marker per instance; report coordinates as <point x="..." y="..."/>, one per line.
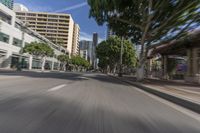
<point x="121" y="57"/>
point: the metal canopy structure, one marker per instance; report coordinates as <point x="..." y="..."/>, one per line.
<point x="178" y="47"/>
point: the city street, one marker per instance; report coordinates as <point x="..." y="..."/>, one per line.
<point x="83" y="103"/>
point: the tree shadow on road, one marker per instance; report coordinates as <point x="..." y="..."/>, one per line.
<point x="48" y="114"/>
<point x="72" y="76"/>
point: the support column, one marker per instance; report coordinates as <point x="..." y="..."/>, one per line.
<point x="193" y="66"/>
<point x="52" y="65"/>
<point x="164" y="64"/>
<point x="59" y="66"/>
<point x="189" y="62"/>
<point x="8" y="60"/>
<point x="149" y="68"/>
<point x="30" y="62"/>
<point x="195" y="61"/>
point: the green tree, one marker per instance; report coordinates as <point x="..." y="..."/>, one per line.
<point x="60" y="42"/>
<point x="79" y="62"/>
<point x="108" y="53"/>
<point x="147" y="22"/>
<point x="42" y="50"/>
<point x="64" y="59"/>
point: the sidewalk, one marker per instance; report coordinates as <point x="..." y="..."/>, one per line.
<point x="182" y="93"/>
<point x="8" y="74"/>
<point x="26" y="70"/>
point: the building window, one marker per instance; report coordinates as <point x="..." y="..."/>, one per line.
<point x="17" y="42"/>
<point x="4" y="37"/>
<point x="6" y="18"/>
<point x="53" y="16"/>
<point x="31" y="14"/>
<point x="53" y="20"/>
<point x="18" y="26"/>
<point x="19" y="13"/>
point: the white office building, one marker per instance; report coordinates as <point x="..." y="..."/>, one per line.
<point x="60" y="28"/>
<point x="14" y="35"/>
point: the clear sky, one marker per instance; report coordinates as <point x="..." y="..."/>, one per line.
<point x="77" y="8"/>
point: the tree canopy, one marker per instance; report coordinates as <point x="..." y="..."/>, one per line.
<point x="108" y="53"/>
<point x="79" y="61"/>
<point x="147" y="22"/>
<point x="63" y="58"/>
<point x="38" y="49"/>
<point x="150" y="20"/>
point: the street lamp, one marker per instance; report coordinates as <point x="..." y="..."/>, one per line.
<point x="121" y="58"/>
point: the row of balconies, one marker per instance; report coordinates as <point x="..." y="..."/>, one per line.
<point x="51" y="32"/>
<point x="43" y="15"/>
<point x="44" y="23"/>
<point x="50" y="26"/>
<point x="43" y="19"/>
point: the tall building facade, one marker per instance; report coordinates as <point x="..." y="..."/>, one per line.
<point x="59" y="28"/>
<point x="76" y="37"/>
<point x="86" y="50"/>
<point x="8" y="3"/>
<point x="14" y="35"/>
<point x="109" y="32"/>
<point x="84" y="54"/>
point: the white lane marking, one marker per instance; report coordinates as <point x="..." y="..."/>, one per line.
<point x="179" y="108"/>
<point x="56" y="88"/>
<point x="83" y="78"/>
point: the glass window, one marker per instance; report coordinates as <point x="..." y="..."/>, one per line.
<point x="17" y="42"/>
<point x="6" y="18"/>
<point x="18" y="26"/>
<point x="4" y="37"/>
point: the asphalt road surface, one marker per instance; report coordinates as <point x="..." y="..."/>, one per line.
<point x="83" y="103"/>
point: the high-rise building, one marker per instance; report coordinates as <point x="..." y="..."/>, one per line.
<point x="84" y="54"/>
<point x="85" y="48"/>
<point x="76" y="37"/>
<point x="8" y="3"/>
<point x="14" y="35"/>
<point x="58" y="27"/>
<point x="109" y="32"/>
<point x="94" y="45"/>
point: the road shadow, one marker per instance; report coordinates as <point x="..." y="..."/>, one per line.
<point x="72" y="76"/>
<point x="55" y="75"/>
<point x="108" y="79"/>
<point x="48" y="114"/>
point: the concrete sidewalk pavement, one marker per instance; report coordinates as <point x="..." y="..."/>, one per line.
<point x="5" y="77"/>
<point x="184" y="94"/>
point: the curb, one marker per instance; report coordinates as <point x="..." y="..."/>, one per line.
<point x="182" y="102"/>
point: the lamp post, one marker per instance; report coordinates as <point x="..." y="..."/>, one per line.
<point x="121" y="58"/>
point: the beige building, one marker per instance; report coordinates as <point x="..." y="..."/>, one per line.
<point x="76" y="38"/>
<point x="59" y="28"/>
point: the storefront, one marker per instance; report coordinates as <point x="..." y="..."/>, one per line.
<point x="188" y="49"/>
<point x="16" y="61"/>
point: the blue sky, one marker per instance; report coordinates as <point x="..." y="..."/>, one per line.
<point x="77" y="8"/>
